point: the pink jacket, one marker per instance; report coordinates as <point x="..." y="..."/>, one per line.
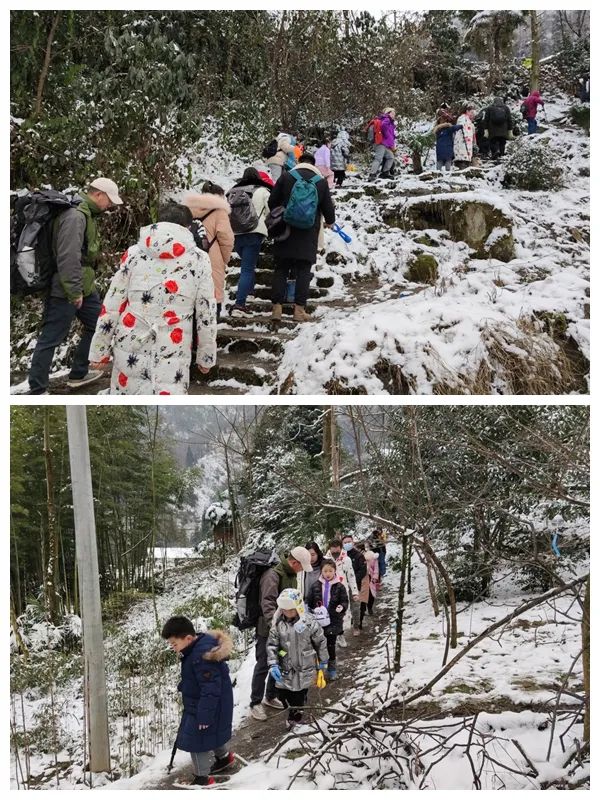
<point x="531" y="103"/>
<point x="217" y="227"/>
<point x="373" y="573"/>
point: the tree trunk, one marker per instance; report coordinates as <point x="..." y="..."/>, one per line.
<point x="51" y="569"/>
<point x="400" y="611"/>
<point x="535" y="51"/>
<point x="585" y="640"/>
<point x="45" y="66"/>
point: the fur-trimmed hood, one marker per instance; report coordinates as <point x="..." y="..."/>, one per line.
<point x="199" y="204"/>
<point x="222" y="650"/>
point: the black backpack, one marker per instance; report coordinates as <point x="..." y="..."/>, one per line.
<point x="270" y="149"/>
<point x="243" y="217"/>
<point x="247" y="582"/>
<point x="32" y="258"/>
<point x="199" y="233"/>
<point x="523" y="110"/>
<point x="497" y="115"/>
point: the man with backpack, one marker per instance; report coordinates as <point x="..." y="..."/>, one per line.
<point x="381" y="132"/>
<point x="498" y="124"/>
<point x="75" y="249"/>
<point x="279" y="152"/>
<point x="273" y="581"/>
<point x="305" y="195"/>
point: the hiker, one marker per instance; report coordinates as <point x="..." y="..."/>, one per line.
<point x="481" y="134"/>
<point x="146" y="322"/>
<point x="282" y="146"/>
<point x="248" y="243"/>
<point x="444" y="140"/>
<point x="213" y="211"/>
<point x="329" y="595"/>
<point x="464" y="139"/>
<point x="316" y="559"/>
<point x="529" y="110"/>
<point x="360" y="572"/>
<point x="299" y="147"/>
<point x="384" y="144"/>
<point x="323" y="161"/>
<point x="340" y="153"/>
<point x="299" y="250"/>
<point x="369" y="593"/>
<point x="296" y="646"/>
<point x="498" y="124"/>
<point x="282" y="576"/>
<point x="345" y="570"/>
<point x="378" y="545"/>
<point x="72" y="293"/>
<point x="207" y="694"/>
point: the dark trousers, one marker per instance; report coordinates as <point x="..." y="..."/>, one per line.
<point x="247" y="246"/>
<point x="302" y="274"/>
<point x="339" y="176"/>
<point x="294" y="701"/>
<point x="497" y="146"/>
<point x="261" y="670"/>
<point x="58" y="317"/>
<point x="365" y="606"/>
<point x="331" y="637"/>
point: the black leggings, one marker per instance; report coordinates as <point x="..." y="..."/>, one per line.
<point x="331" y="637"/>
<point x="365" y="606"/>
<point x="294" y="701"/>
<point x="338" y="176"/>
<point x="303" y="275"/>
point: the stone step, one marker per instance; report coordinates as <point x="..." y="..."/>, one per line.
<point x="258" y="319"/>
<point x="244" y="340"/>
<point x="261" y="307"/>
<point x="265" y="292"/>
<point x="264" y="277"/>
<point x="243" y="367"/>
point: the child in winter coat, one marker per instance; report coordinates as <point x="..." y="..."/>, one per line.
<point x="323" y="161"/>
<point x="207" y="697"/>
<point x="213" y="210"/>
<point x="340" y="152"/>
<point x="444" y="141"/>
<point x="328" y="601"/>
<point x="295" y="647"/>
<point x="464" y="139"/>
<point x="146" y="321"/>
<point x="372" y="560"/>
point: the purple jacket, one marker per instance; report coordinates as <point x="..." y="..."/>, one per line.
<point x="531" y="103"/>
<point x="388" y="131"/>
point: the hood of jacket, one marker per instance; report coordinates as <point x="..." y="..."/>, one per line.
<point x="166" y="241"/>
<point x="223" y="649"/>
<point x="336" y="579"/>
<point x="283" y="568"/>
<point x="310" y="167"/>
<point x="199" y="204"/>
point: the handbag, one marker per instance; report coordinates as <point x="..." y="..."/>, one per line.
<point x="277" y="228"/>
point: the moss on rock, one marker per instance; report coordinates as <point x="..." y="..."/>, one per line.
<point x="422" y="268"/>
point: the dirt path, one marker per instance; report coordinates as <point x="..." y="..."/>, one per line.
<point x="253" y="738"/>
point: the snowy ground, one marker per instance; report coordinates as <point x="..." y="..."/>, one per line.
<point x="511" y="679"/>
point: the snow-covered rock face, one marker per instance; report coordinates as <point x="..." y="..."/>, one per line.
<point x="486" y="321"/>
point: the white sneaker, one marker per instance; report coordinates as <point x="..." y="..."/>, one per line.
<point x="341" y="641"/>
<point x="258" y="712"/>
<point x="92" y="375"/>
<point x="274" y="703"/>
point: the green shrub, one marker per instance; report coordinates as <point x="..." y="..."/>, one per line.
<point x="580" y="115"/>
<point x="532" y="166"/>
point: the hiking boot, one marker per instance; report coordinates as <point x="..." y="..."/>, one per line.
<point x="277" y="312"/>
<point x="258" y="712"/>
<point x="331" y="671"/>
<point x="386" y="175"/>
<point x="274" y="702"/>
<point x="240" y="311"/>
<point x="202" y="780"/>
<point x="300" y="315"/>
<point x="356" y="632"/>
<point x="290" y="724"/>
<point x="341" y="641"/>
<point x="222" y="763"/>
<point x="92" y="375"/>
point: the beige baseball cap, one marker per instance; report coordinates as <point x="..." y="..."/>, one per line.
<point x="110" y="188"/>
<point x="302" y="555"/>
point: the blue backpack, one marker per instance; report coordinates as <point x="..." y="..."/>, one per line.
<point x="301" y="209"/>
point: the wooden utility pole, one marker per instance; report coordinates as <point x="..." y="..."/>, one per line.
<point x="535" y="51"/>
<point x="89" y="588"/>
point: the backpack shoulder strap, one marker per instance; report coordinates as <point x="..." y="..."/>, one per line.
<point x="315" y="179"/>
<point x="207" y="215"/>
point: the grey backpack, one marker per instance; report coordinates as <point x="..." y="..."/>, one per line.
<point x="243" y="214"/>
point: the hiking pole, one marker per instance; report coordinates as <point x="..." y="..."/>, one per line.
<point x="174" y="750"/>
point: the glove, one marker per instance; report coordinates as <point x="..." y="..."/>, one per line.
<point x="321" y="683"/>
<point x="276" y="672"/>
<point x="339" y="609"/>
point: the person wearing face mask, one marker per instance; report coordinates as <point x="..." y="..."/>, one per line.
<point x="345" y="570"/>
<point x="295" y="649"/>
<point x="360" y="573"/>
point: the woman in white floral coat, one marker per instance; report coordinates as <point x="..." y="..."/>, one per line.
<point x="146" y="322"/>
<point x="464" y="139"/>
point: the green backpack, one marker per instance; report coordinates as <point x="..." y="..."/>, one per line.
<point x="301" y="209"/>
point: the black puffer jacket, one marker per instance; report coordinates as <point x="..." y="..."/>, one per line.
<point x="337" y="597"/>
<point x="302" y="244"/>
<point x="498" y="119"/>
<point x="360" y="565"/>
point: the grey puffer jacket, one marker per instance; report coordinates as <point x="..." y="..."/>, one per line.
<point x="340" y="150"/>
<point x="302" y="651"/>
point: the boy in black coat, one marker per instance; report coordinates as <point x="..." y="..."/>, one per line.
<point x="328" y="601"/>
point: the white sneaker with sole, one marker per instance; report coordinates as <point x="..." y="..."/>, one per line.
<point x="92" y="375"/>
<point x="341" y="641"/>
<point x="274" y="703"/>
<point x="258" y="712"/>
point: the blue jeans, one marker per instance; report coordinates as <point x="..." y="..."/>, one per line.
<point x="247" y="246"/>
<point x="532" y="125"/>
<point x="381" y="560"/>
<point x="58" y="316"/>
